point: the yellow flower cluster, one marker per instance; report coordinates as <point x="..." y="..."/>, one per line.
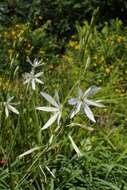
<point x="6" y="84"/>
<point x="16" y="32"/>
<point x="74" y="44"/>
<point x="120" y="39"/>
<point x="67" y="58"/>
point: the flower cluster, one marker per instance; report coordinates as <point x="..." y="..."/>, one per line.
<point x="9" y="106"/>
<point x="32" y="78"/>
<point x="81" y="103"/>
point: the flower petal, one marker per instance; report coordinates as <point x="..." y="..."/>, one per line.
<point x="6" y="111"/>
<point x="28" y="60"/>
<point x="14" y="110"/>
<point x="39" y="74"/>
<point x="26" y="81"/>
<point x="76" y="110"/>
<point x="72" y="101"/>
<point x="50" y="121"/>
<point x="39" y="81"/>
<point x="47" y="109"/>
<point x="33" y="84"/>
<point x="91" y="91"/>
<point x="94" y="103"/>
<point x="89" y="113"/>
<point x="10" y="99"/>
<point x="49" y="99"/>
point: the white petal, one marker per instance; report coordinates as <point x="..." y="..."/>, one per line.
<point x="75" y="146"/>
<point x="39" y="74"/>
<point x="76" y="110"/>
<point x="28" y="60"/>
<point x="26" y="75"/>
<point x="10" y="99"/>
<point x="6" y="111"/>
<point x="50" y="121"/>
<point x="47" y="109"/>
<point x="58" y="121"/>
<point x="72" y="101"/>
<point x="36" y="63"/>
<point x="94" y="103"/>
<point x="33" y="84"/>
<point x="14" y="110"/>
<point x="39" y="81"/>
<point x="91" y="91"/>
<point x="26" y="81"/>
<point x="49" y="99"/>
<point x="14" y="103"/>
<point x="89" y="113"/>
<point x="72" y="113"/>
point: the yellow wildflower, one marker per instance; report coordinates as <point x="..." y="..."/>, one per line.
<point x="72" y="44"/>
<point x="13" y="33"/>
<point x="77" y="47"/>
<point x="68" y="58"/>
<point x="120" y="39"/>
<point x="107" y="70"/>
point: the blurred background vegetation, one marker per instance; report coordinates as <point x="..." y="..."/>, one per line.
<point x="41" y="28"/>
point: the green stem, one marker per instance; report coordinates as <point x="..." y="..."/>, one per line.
<point x="83" y="50"/>
<point x="36" y="118"/>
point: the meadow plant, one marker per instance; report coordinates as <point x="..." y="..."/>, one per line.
<point x="9" y="106"/>
<point x="35" y="63"/>
<point x="81" y="102"/>
<point x="50" y="140"/>
<point x="32" y="78"/>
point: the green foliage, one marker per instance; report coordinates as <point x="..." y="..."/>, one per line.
<point x="62" y="14"/>
<point x="22" y="40"/>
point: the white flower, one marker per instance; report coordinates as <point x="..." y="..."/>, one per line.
<point x="32" y="78"/>
<point x="56" y="110"/>
<point x="9" y="106"/>
<point x="83" y="102"/>
<point x="35" y="63"/>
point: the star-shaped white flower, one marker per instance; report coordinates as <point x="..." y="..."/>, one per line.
<point x="35" y="63"/>
<point x="9" y="106"/>
<point x="56" y="110"/>
<point x="32" y="78"/>
<point x="82" y="102"/>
